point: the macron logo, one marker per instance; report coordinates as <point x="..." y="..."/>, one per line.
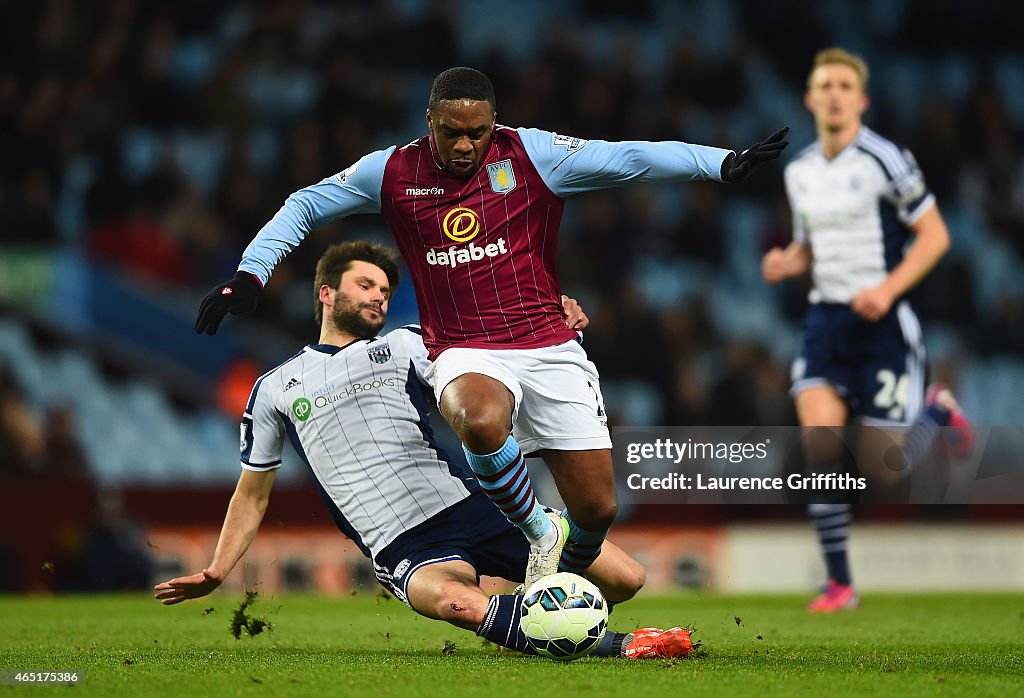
<point x="433" y="191"/>
<point x="454" y="256"/>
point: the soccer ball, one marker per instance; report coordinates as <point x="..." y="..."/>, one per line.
<point x="563" y="616"/>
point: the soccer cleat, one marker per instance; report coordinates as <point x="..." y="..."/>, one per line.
<point x="959" y="435"/>
<point x="541" y="563"/>
<point x="641" y="643"/>
<point x="674" y="643"/>
<point x="836" y="597"/>
<point x="648" y="643"/>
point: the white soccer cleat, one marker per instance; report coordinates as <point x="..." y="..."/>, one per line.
<point x="541" y="563"/>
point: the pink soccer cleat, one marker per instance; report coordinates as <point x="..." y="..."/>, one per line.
<point x="959" y="435"/>
<point x="836" y="597"/>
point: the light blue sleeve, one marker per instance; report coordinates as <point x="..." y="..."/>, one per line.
<point x="573" y="165"/>
<point x="351" y="191"/>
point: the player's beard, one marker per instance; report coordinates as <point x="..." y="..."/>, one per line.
<point x="347" y="316"/>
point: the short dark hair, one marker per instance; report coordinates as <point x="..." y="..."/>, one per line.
<point x="462" y="83"/>
<point x="337" y="260"/>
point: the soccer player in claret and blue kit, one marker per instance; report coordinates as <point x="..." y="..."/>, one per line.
<point x="475" y="209"/>
<point x="868" y="230"/>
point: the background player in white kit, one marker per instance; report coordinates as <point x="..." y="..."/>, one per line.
<point x="354" y="406"/>
<point x="857" y="201"/>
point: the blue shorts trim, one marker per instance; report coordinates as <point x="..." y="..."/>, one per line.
<point x="472" y="530"/>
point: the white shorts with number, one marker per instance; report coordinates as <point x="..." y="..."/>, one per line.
<point x="558" y="402"/>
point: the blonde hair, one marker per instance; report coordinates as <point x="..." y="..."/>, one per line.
<point x="830" y="56"/>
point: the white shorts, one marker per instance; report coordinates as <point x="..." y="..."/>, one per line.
<point x="558" y="401"/>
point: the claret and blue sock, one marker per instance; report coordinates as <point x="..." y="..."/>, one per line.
<point x="505" y="479"/>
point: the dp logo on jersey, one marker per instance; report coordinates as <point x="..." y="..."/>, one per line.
<point x="461" y="224"/>
<point x="302" y="409"/>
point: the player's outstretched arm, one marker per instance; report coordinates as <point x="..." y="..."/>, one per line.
<point x="245" y="513"/>
<point x="738" y="166"/>
<point x="571" y="166"/>
<point x="352" y="191"/>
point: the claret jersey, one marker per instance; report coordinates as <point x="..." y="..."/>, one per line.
<point x="480" y="250"/>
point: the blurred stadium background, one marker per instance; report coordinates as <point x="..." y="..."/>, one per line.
<point x="143" y="145"/>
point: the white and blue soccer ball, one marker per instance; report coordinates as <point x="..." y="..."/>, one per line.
<point x="564" y="616"/>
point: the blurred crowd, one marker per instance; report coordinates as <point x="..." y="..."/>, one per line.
<point x="93" y="545"/>
<point x="159" y="138"/>
<point x="37" y="446"/>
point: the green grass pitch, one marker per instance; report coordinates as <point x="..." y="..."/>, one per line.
<point x="898" y="645"/>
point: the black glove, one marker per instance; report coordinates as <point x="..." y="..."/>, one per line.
<point x="736" y="168"/>
<point x="240" y="295"/>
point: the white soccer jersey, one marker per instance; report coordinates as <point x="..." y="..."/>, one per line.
<point x="357" y="416"/>
<point x="853" y="212"/>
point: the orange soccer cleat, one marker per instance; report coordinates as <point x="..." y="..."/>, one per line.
<point x="648" y="643"/>
<point x="836" y="597"/>
<point x="959" y="435"/>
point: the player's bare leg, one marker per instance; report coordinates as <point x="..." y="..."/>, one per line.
<point x="616" y="574"/>
<point x="586" y="481"/>
<point x="822" y="414"/>
<point x="479" y="408"/>
<point x="821" y="407"/>
<point x="880" y="455"/>
<point x="448" y="591"/>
